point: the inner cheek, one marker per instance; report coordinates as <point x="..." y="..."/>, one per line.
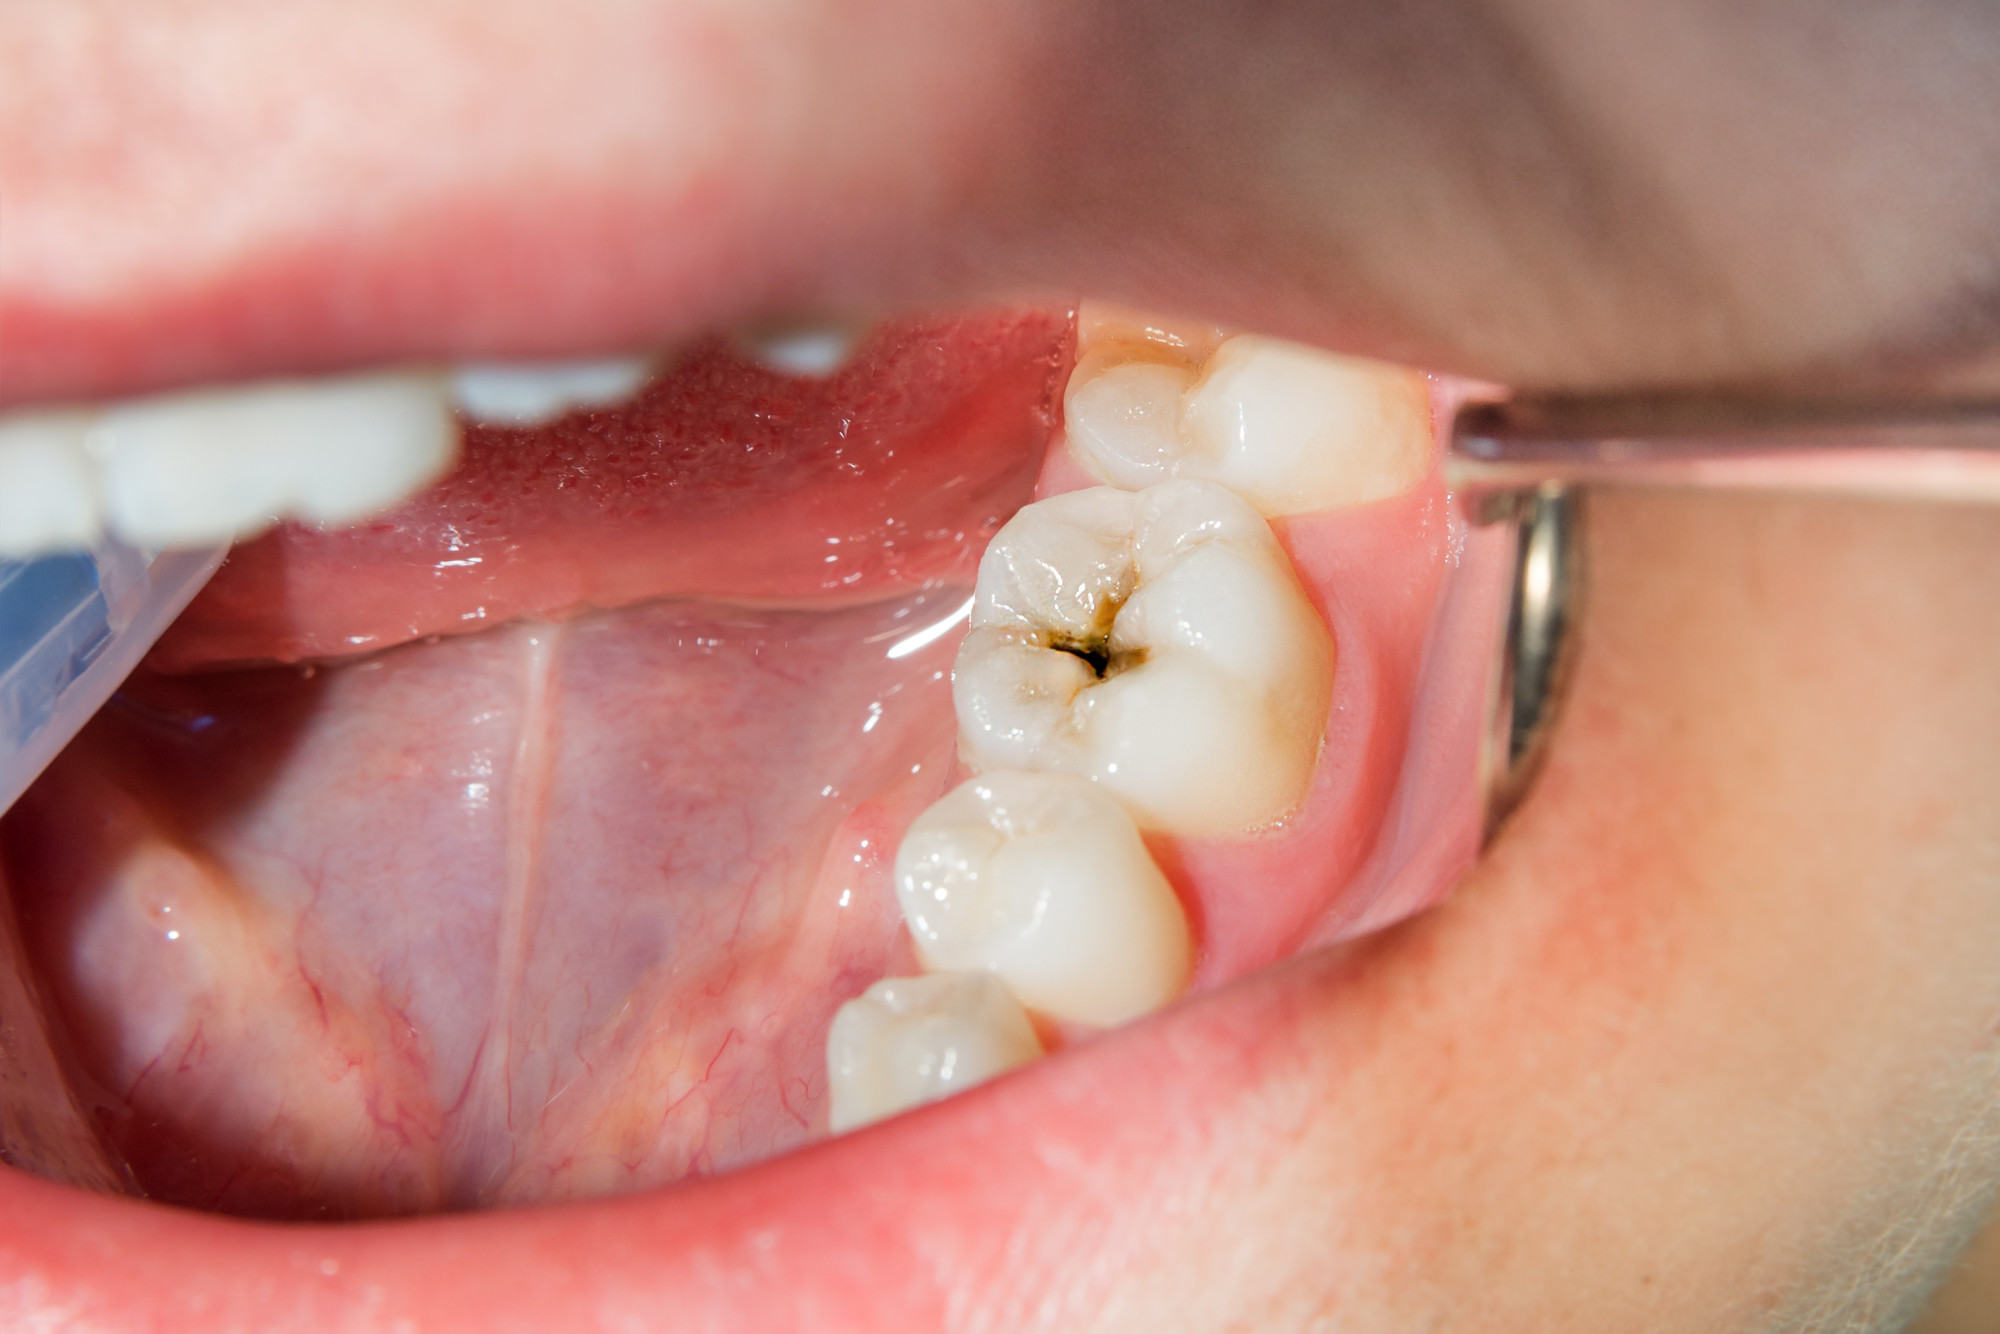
<point x="441" y="916"/>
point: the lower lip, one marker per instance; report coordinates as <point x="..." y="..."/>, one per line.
<point x="977" y="1200"/>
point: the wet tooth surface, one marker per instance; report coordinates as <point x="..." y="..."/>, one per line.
<point x="1043" y="880"/>
<point x="810" y="351"/>
<point x="1156" y="642"/>
<point x="48" y="498"/>
<point x="531" y="393"/>
<point x="1124" y="420"/>
<point x="215" y="464"/>
<point x="1292" y="429"/>
<point x="1296" y="430"/>
<point x="907" y="1041"/>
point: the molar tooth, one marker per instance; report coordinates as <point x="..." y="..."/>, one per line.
<point x="1157" y="643"/>
<point x="907" y="1041"/>
<point x="1043" y="880"/>
<point x="1292" y="429"/>
<point x="215" y="464"/>
<point x="522" y="394"/>
<point x="1295" y="429"/>
<point x="48" y="497"/>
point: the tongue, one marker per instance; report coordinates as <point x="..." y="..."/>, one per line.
<point x="554" y="910"/>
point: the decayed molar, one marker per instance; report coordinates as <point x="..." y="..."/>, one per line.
<point x="1292" y="429"/>
<point x="1156" y="642"/>
<point x="1043" y="880"/>
<point x="907" y="1041"/>
<point x="212" y="465"/>
<point x="522" y="394"/>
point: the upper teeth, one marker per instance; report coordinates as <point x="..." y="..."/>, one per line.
<point x="521" y="394"/>
<point x="1209" y="674"/>
<point x="210" y="465"/>
<point x="1292" y="429"/>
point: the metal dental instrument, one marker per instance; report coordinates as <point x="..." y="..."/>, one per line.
<point x="72" y="627"/>
<point x="1525" y="462"/>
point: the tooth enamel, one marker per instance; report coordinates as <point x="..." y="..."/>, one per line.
<point x="48" y="496"/>
<point x="1216" y="673"/>
<point x="912" y="1040"/>
<point x="1124" y="419"/>
<point x="811" y="352"/>
<point x="1043" y="880"/>
<point x="1291" y="429"/>
<point x="1296" y="430"/>
<point x="216" y="464"/>
<point x="519" y="394"/>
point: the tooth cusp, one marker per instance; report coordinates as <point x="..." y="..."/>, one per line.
<point x="1043" y="880"/>
<point x="907" y="1041"/>
<point x="1124" y="418"/>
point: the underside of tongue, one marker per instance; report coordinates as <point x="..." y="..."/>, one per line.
<point x="555" y="910"/>
<point x="562" y="900"/>
<point x="554" y="822"/>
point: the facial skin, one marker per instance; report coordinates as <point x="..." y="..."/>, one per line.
<point x="1707" y="1042"/>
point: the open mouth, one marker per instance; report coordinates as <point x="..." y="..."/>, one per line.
<point x="561" y="833"/>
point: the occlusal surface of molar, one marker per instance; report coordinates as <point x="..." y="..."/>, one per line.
<point x="1155" y="642"/>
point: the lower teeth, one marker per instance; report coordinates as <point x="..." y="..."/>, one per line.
<point x="1137" y="657"/>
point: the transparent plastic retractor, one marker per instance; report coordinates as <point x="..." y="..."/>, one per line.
<point x="72" y="627"/>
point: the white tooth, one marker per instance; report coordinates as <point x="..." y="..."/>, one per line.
<point x="216" y="464"/>
<point x="907" y="1041"/>
<point x="522" y="394"/>
<point x="812" y="352"/>
<point x="1298" y="430"/>
<point x="1123" y="419"/>
<point x="1293" y="429"/>
<point x="1043" y="880"/>
<point x="1217" y="672"/>
<point x="48" y="496"/>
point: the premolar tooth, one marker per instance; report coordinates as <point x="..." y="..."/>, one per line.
<point x="522" y="394"/>
<point x="1156" y="643"/>
<point x="1291" y="428"/>
<point x="48" y="496"/>
<point x="215" y="464"/>
<point x="907" y="1041"/>
<point x="1043" y="880"/>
